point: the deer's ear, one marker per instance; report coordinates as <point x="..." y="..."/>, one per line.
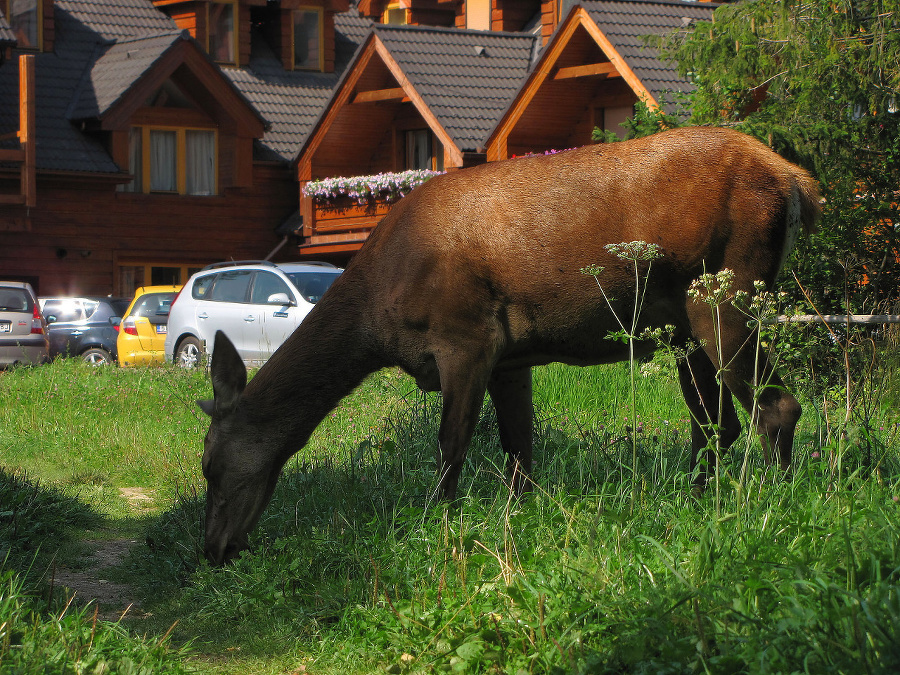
<point x="228" y="375"/>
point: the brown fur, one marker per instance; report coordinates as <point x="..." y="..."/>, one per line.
<point x="475" y="278"/>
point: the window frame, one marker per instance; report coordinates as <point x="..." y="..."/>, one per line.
<point x="39" y="20"/>
<point x="235" y="43"/>
<point x="185" y="271"/>
<point x="393" y="7"/>
<point x="320" y="12"/>
<point x="436" y="152"/>
<point x="180" y="160"/>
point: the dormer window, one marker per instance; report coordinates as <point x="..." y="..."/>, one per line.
<point x="24" y="18"/>
<point x="478" y="14"/>
<point x="222" y="35"/>
<point x="395" y="14"/>
<point x="308" y="38"/>
<point x="173" y="160"/>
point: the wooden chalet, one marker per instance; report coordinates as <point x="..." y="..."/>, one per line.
<point x="596" y="67"/>
<point x="143" y="139"/>
<point x="156" y="150"/>
<point x="426" y="98"/>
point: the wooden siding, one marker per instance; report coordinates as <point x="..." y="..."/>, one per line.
<point x="81" y="229"/>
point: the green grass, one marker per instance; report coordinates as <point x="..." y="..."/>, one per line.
<point x="357" y="568"/>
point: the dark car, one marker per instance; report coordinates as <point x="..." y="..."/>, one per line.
<point x="87" y="327"/>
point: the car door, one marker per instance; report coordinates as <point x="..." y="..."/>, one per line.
<point x="277" y="306"/>
<point x="66" y="323"/>
<point x="226" y="307"/>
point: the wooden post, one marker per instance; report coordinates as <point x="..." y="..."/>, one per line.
<point x="26" y="127"/>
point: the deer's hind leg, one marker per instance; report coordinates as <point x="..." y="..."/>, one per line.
<point x="510" y="392"/>
<point x="712" y="413"/>
<point x="749" y="375"/>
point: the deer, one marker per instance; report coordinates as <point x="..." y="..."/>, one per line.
<point x="475" y="277"/>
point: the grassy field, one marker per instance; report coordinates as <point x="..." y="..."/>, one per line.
<point x="357" y="568"/>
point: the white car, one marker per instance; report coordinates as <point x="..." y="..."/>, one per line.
<point x="256" y="304"/>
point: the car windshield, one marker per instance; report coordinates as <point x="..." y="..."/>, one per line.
<point x="119" y="305"/>
<point x="312" y="285"/>
<point x="154" y="306"/>
<point x="15" y="300"/>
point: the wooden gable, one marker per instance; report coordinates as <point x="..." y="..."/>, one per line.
<point x="580" y="82"/>
<point x="215" y="103"/>
<point x="357" y="132"/>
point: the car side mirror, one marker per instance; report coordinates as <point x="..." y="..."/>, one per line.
<point x="51" y="318"/>
<point x="279" y="299"/>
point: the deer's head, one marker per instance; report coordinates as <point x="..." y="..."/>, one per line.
<point x="241" y="469"/>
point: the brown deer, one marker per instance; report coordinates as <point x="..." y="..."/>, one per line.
<point x="475" y="277"/>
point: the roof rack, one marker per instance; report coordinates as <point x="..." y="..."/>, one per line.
<point x="319" y="263"/>
<point x="235" y="263"/>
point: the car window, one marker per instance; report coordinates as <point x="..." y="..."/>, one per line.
<point x="312" y="285"/>
<point x="202" y="286"/>
<point x="153" y="306"/>
<point x="64" y="310"/>
<point x="231" y="286"/>
<point x="120" y="306"/>
<point x="15" y="300"/>
<point x="266" y="284"/>
<point x="90" y="306"/>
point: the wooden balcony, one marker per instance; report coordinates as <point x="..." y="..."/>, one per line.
<point x="341" y="227"/>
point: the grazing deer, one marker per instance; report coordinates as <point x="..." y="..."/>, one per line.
<point x="475" y="277"/>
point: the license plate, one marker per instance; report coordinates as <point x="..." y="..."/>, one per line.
<point x="161" y="328"/>
<point x="5" y="327"/>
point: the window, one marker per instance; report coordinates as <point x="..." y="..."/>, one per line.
<point x="180" y="161"/>
<point x="395" y="14"/>
<point x="478" y="14"/>
<point x="265" y="285"/>
<point x="231" y="286"/>
<point x="132" y="276"/>
<point x="308" y="38"/>
<point x="423" y="151"/>
<point x="222" y="36"/>
<point x="25" y="20"/>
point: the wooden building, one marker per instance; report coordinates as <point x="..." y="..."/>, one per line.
<point x="169" y="134"/>
<point x="493" y="96"/>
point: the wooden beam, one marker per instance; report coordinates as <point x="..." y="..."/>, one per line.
<point x="396" y="93"/>
<point x="12" y="155"/>
<point x="12" y="199"/>
<point x="26" y="127"/>
<point x="606" y="68"/>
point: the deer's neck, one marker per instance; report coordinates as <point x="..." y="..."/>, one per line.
<point x="323" y="361"/>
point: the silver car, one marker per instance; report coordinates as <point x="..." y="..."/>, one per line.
<point x="256" y="304"/>
<point x="23" y="331"/>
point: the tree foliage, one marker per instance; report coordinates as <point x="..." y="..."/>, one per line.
<point x="818" y="81"/>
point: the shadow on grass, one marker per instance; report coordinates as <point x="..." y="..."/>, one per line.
<point x="37" y="523"/>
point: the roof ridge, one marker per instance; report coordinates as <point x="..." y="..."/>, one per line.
<point x="450" y="30"/>
<point x="701" y="4"/>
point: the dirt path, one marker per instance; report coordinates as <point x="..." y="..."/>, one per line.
<point x="91" y="583"/>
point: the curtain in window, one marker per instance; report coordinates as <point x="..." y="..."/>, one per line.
<point x="200" y="148"/>
<point x="23" y="19"/>
<point x="163" y="172"/>
<point x="221" y="32"/>
<point x="418" y="149"/>
<point x="306" y="39"/>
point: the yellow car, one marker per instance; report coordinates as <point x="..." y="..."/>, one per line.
<point x="142" y="335"/>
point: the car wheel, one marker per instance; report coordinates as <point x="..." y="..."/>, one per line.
<point x="97" y="356"/>
<point x="189" y="353"/>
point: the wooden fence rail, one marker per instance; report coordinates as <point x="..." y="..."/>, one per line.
<point x="837" y="318"/>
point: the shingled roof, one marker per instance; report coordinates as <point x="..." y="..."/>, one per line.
<point x="467" y="78"/>
<point x="291" y="101"/>
<point x="626" y="23"/>
<point x="83" y="31"/>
